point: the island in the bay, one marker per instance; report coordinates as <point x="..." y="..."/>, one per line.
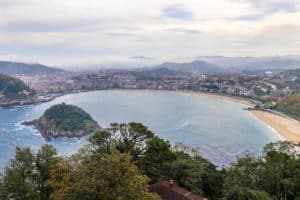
<point x="64" y="120"/>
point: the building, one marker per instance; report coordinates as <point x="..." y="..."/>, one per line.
<point x="168" y="191"/>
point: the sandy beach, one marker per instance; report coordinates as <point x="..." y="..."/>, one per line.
<point x="229" y="98"/>
<point x="288" y="128"/>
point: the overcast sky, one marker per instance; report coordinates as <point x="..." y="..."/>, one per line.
<point x="133" y="32"/>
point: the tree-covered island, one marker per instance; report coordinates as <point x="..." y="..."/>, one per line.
<point x="64" y="120"/>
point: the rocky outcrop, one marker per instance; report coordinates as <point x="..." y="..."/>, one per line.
<point x="49" y="130"/>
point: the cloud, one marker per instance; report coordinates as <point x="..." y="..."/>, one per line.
<point x="68" y="32"/>
<point x="44" y="26"/>
<point x="264" y="8"/>
<point x="275" y="5"/>
<point x="120" y="34"/>
<point x="179" y="12"/>
<point x="142" y="57"/>
<point x="184" y="30"/>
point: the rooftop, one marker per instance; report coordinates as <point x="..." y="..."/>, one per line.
<point x="168" y="191"/>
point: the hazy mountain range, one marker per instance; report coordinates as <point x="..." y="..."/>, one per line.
<point x="206" y="65"/>
<point x="254" y="64"/>
<point x="191" y="67"/>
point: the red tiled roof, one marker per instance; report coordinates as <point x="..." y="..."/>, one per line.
<point x="168" y="192"/>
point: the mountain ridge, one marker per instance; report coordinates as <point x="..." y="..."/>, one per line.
<point x="19" y="68"/>
<point x="198" y="66"/>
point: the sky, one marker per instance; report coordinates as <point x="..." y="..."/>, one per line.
<point x="98" y="33"/>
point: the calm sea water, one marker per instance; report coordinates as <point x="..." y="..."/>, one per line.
<point x="220" y="129"/>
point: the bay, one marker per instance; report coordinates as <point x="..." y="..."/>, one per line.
<point x="220" y="129"/>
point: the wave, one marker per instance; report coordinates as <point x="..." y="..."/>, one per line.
<point x="19" y="126"/>
<point x="37" y="134"/>
<point x="223" y="155"/>
<point x="4" y="130"/>
<point x="280" y="136"/>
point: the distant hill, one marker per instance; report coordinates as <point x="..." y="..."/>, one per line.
<point x="195" y="66"/>
<point x="157" y="73"/>
<point x="13" y="89"/>
<point x="250" y="65"/>
<point x="17" y="68"/>
<point x="292" y="72"/>
<point x="291" y="79"/>
<point x="275" y="65"/>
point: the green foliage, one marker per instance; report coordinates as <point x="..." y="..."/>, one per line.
<point x="192" y="171"/>
<point x="244" y="173"/>
<point x="117" y="162"/>
<point x="291" y="105"/>
<point x="131" y="138"/>
<point x="69" y="117"/>
<point x="156" y="159"/>
<point x="242" y="193"/>
<point x="266" y="105"/>
<point x="19" y="177"/>
<point x="277" y="172"/>
<point x="26" y="176"/>
<point x="106" y="176"/>
<point x="102" y="142"/>
<point x="45" y="162"/>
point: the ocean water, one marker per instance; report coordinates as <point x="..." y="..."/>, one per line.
<point x="220" y="129"/>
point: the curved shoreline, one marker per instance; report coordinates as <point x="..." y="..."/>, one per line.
<point x="286" y="127"/>
<point x="244" y="101"/>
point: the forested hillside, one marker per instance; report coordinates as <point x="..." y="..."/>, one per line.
<point x="122" y="161"/>
<point x="13" y="88"/>
<point x="290" y="105"/>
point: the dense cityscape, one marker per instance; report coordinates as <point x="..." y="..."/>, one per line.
<point x="263" y="87"/>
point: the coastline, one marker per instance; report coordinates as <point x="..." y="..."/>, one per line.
<point x="244" y="101"/>
<point x="240" y="100"/>
<point x="286" y="127"/>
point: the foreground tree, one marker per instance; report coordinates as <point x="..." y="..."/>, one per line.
<point x="156" y="158"/>
<point x="197" y="175"/>
<point x="155" y="161"/>
<point x="108" y="176"/>
<point x="277" y="172"/>
<point x="45" y="162"/>
<point x="27" y="175"/>
<point x="245" y="172"/>
<point x="131" y="138"/>
<point x="19" y="177"/>
<point x="281" y="171"/>
<point x="116" y="162"/>
<point x="242" y="193"/>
